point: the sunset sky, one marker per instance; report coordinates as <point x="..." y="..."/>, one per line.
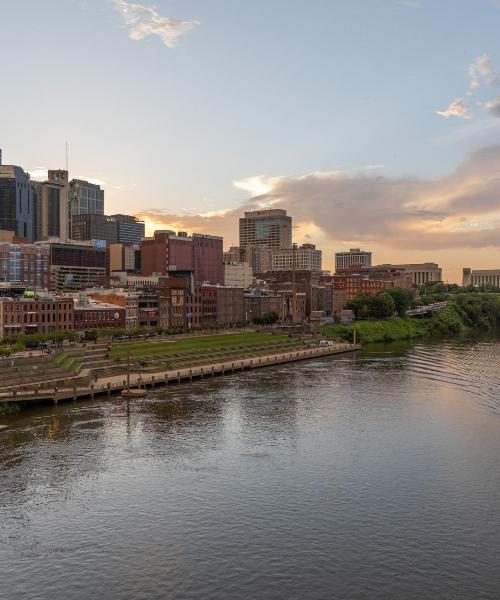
<point x="375" y="123"/>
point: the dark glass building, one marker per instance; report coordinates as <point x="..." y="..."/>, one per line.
<point x="16" y="202"/>
<point x="95" y="227"/>
<point x="130" y="229"/>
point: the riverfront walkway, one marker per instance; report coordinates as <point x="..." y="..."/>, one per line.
<point x="117" y="383"/>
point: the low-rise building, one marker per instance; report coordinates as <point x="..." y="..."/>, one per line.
<point x="123" y="298"/>
<point x="230" y="306"/>
<point x="40" y="314"/>
<point x="421" y="273"/>
<point x="481" y="277"/>
<point x="89" y="314"/>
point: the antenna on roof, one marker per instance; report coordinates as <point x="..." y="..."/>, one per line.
<point x="66" y="156"/>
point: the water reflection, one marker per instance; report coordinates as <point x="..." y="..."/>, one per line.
<point x="372" y="475"/>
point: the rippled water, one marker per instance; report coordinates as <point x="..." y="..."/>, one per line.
<point x="374" y="475"/>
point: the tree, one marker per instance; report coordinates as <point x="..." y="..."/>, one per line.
<point x="402" y="299"/>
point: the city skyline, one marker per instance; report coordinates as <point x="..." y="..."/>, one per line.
<point x="228" y="109"/>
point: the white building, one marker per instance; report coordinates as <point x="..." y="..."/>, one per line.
<point x="307" y="258"/>
<point x="238" y="274"/>
<point x="478" y="278"/>
<point x="355" y="256"/>
<point x="421" y="273"/>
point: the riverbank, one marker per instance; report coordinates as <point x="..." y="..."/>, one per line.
<point x="118" y="384"/>
<point x="464" y="312"/>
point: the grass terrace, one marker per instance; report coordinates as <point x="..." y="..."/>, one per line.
<point x="204" y="346"/>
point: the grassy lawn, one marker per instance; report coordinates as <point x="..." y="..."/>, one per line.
<point x="194" y="344"/>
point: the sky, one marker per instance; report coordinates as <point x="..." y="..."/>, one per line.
<point x="375" y="123"/>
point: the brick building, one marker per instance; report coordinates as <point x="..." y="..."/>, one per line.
<point x="127" y="300"/>
<point x="43" y="314"/>
<point x="98" y="315"/>
<point x="168" y="253"/>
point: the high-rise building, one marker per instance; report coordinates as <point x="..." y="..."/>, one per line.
<point x="306" y="257"/>
<point x="95" y="227"/>
<point x="271" y="228"/>
<point x="28" y="264"/>
<point x="17" y="208"/>
<point x="52" y="203"/>
<point x="208" y="258"/>
<point x="76" y="266"/>
<point x="168" y="253"/>
<point x="355" y="256"/>
<point x="84" y="198"/>
<point x="130" y="230"/>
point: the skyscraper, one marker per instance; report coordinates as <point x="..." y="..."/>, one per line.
<point x="270" y="228"/>
<point x="84" y="198"/>
<point x="130" y="230"/>
<point x="95" y="227"/>
<point x="53" y="206"/>
<point x="17" y="209"/>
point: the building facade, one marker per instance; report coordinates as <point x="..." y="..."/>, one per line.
<point x="355" y="256"/>
<point x="168" y="253"/>
<point x="76" y="266"/>
<point x="28" y="264"/>
<point x="478" y="278"/>
<point x="17" y="205"/>
<point x="122" y="298"/>
<point x="269" y="228"/>
<point x="52" y="206"/>
<point x="208" y="258"/>
<point x="421" y="273"/>
<point x="130" y="230"/>
<point x="94" y="227"/>
<point x="84" y="198"/>
<point x="43" y="314"/>
<point x="98" y="315"/>
<point x="306" y="257"/>
<point x="238" y="274"/>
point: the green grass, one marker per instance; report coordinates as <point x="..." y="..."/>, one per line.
<point x="195" y="344"/>
<point x="388" y="330"/>
<point x="463" y="312"/>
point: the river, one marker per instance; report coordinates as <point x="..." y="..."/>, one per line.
<point x="363" y="476"/>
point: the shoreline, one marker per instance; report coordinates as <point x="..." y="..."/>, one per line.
<point x="117" y="384"/>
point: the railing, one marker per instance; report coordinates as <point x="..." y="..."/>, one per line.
<point x="165" y="377"/>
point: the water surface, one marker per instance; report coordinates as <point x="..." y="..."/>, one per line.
<point x="375" y="475"/>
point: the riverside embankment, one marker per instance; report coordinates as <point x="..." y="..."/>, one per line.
<point x="463" y="313"/>
<point x="160" y="363"/>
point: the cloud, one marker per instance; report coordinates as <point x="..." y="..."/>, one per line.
<point x="461" y="210"/>
<point x="456" y="108"/>
<point x="481" y="71"/>
<point x="493" y="107"/>
<point x="143" y="21"/>
<point x="39" y="174"/>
